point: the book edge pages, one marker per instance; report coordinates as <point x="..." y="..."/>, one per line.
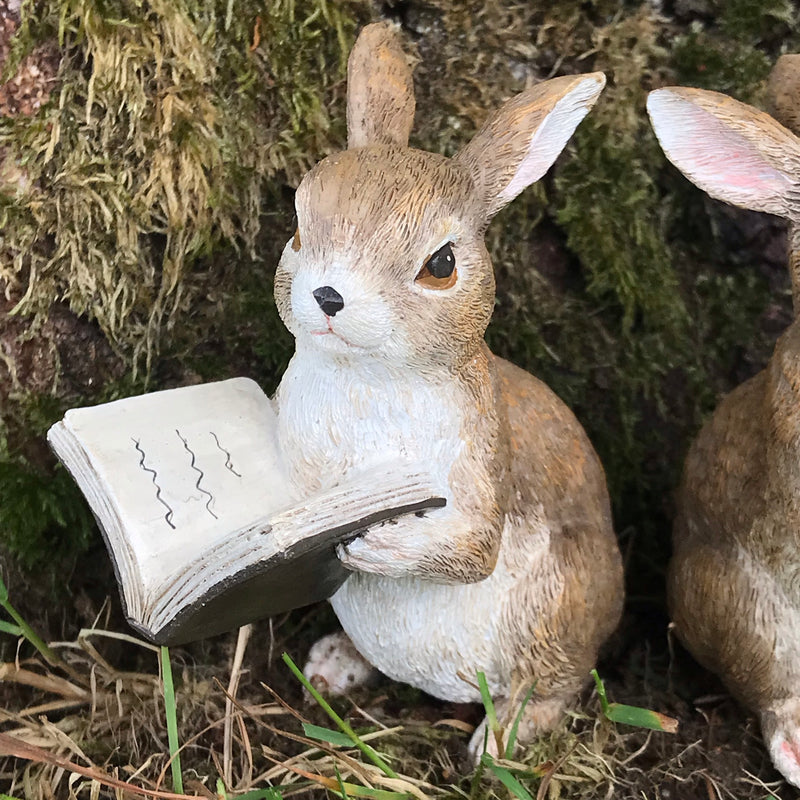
<point x="78" y="464"/>
<point x="170" y="630"/>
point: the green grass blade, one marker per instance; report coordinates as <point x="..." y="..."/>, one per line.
<point x="10" y="628"/>
<point x="342" y="788"/>
<point x="491" y="715"/>
<point x="506" y="778"/>
<point x="172" y="720"/>
<point x="260" y="794"/>
<point x="354" y="790"/>
<point x="488" y="704"/>
<point x="336" y="738"/>
<point x="641" y="718"/>
<point x="512" y="734"/>
<point x="601" y="692"/>
<point x="633" y="715"/>
<point x="477" y="776"/>
<point x="25" y="630"/>
<point x="343" y="726"/>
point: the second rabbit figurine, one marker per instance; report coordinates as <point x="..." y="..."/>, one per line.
<point x="734" y="581"/>
<point x="388" y="288"/>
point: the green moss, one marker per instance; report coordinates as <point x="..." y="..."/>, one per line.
<point x="730" y="67"/>
<point x="239" y="331"/>
<point x="644" y="335"/>
<point x="43" y="518"/>
<point x="153" y="152"/>
<point x="612" y="339"/>
<point x="756" y="21"/>
<point x="735" y="54"/>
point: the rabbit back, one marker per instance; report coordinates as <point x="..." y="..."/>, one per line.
<point x="556" y="479"/>
<point x="737" y="534"/>
<point x="555" y="593"/>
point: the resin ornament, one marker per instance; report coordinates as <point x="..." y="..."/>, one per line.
<point x="734" y="581"/>
<point x="388" y="288"/>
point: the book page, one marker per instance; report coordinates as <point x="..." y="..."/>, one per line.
<point x="184" y="467"/>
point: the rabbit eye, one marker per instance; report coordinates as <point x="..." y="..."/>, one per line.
<point x="296" y="240"/>
<point x="439" y="271"/>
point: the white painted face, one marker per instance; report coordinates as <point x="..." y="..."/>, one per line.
<point x="333" y="307"/>
<point x="356" y="279"/>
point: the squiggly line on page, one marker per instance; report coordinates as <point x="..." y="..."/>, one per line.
<point x="228" y="461"/>
<point x="170" y="513"/>
<point x="200" y="475"/>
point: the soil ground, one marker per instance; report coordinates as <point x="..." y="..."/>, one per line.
<point x="119" y="726"/>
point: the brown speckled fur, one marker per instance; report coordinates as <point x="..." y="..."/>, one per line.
<point x="559" y="645"/>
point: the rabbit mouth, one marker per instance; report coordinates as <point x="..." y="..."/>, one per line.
<point x="331" y="332"/>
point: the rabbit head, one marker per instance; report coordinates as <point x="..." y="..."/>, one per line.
<point x="388" y="259"/>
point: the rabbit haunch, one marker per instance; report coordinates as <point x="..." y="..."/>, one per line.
<point x="519" y="575"/>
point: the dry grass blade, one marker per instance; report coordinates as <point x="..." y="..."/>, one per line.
<point x="11" y="746"/>
<point x="335" y="760"/>
<point x="233" y="685"/>
<point x="550" y="773"/>
<point x="356" y="767"/>
<point x="286" y="706"/>
<point x="52" y="706"/>
<point x="457" y="724"/>
<point x="338" y="787"/>
<point x="46" y="683"/>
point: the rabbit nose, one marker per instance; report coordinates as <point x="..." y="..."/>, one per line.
<point x="328" y="299"/>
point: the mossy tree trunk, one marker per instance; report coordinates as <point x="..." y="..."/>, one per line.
<point x="144" y="205"/>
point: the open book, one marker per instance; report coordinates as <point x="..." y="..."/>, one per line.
<point x="203" y="526"/>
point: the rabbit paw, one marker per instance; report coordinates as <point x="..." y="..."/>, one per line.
<point x="335" y="667"/>
<point x="782" y="736"/>
<point x="381" y="551"/>
<point x="481" y="743"/>
<point x="538" y="717"/>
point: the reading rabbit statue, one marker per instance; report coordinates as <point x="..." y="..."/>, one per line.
<point x="734" y="581"/>
<point x="388" y="288"/>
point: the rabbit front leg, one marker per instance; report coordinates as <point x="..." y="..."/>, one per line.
<point x="442" y="546"/>
<point x="456" y="544"/>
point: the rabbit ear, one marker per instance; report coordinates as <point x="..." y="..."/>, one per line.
<point x="519" y="142"/>
<point x="730" y="150"/>
<point x="380" y="92"/>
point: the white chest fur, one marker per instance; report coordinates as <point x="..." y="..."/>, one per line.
<point x="337" y="416"/>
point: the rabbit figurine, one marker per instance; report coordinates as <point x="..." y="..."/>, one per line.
<point x="387" y="287"/>
<point x="734" y="580"/>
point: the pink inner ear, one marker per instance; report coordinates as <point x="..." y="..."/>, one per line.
<point x="713" y="154"/>
<point x="551" y="136"/>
